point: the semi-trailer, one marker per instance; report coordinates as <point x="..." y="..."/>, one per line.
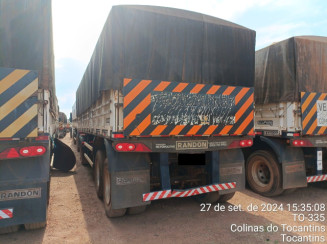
<point x="289" y="149"/>
<point x="28" y="114"/>
<point x="165" y="107"/>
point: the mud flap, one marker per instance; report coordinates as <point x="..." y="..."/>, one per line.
<point x="130" y="177"/>
<point x="64" y="157"/>
<point x="27" y="202"/>
<point x="292" y="160"/>
<point x="231" y="169"/>
<point x="293" y="167"/>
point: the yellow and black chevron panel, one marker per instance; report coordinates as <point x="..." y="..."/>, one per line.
<point x="18" y="103"/>
<point x="164" y="108"/>
<point x="314" y="113"/>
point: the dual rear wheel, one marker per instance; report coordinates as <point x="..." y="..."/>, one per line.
<point x="264" y="173"/>
<point x="102" y="180"/>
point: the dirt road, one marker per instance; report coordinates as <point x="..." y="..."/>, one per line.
<point x="76" y="215"/>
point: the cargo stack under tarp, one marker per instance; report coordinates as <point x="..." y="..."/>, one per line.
<point x="286" y="68"/>
<point x="157" y="43"/>
<point x="26" y="40"/>
<point x="290" y="87"/>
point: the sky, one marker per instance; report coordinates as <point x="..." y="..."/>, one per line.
<point x="77" y="25"/>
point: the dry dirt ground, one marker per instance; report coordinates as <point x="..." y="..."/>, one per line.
<point x="76" y="215"/>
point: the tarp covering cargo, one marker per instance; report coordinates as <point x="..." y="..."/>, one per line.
<point x="26" y="38"/>
<point x="286" y="68"/>
<point x="157" y="43"/>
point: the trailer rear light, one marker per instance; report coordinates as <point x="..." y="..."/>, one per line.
<point x="241" y="143"/>
<point x="9" y="153"/>
<point x="32" y="151"/>
<point x="118" y="135"/>
<point x="301" y="143"/>
<point x="246" y="143"/>
<point x="141" y="148"/>
<point x="131" y="147"/>
<point x="125" y="147"/>
<point x="120" y="147"/>
<point x="25" y="152"/>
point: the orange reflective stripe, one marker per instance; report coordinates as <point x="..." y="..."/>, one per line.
<point x="210" y="130"/>
<point x="126" y="81"/>
<point x="244" y="107"/>
<point x="197" y="88"/>
<point x="177" y="130"/>
<point x="213" y="89"/>
<point x="180" y="87"/>
<point x="162" y="86"/>
<point x="137" y="90"/>
<point x="142" y="126"/>
<point x="194" y="130"/>
<point x="322" y="130"/>
<point x="137" y="110"/>
<point x="307" y="101"/>
<point x="157" y="131"/>
<point x="312" y="127"/>
<point x="241" y="94"/>
<point x="226" y="129"/>
<point x="246" y="122"/>
<point x="229" y="90"/>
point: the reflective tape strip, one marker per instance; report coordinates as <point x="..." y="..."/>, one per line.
<point x="156" y="195"/>
<point x="316" y="178"/>
<point x="204" y="189"/>
<point x="6" y="213"/>
<point x="187" y="193"/>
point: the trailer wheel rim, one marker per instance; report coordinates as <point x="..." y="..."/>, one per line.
<point x="261" y="173"/>
<point x="107" y="188"/>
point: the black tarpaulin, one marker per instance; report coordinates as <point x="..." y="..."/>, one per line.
<point x="157" y="43"/>
<point x="286" y="68"/>
<point x="26" y="39"/>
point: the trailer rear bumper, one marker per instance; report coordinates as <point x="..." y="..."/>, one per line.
<point x="185" y="144"/>
<point x="188" y="192"/>
<point x="316" y="178"/>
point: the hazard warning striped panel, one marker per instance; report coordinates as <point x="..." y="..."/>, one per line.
<point x="164" y="108"/>
<point x="18" y="103"/>
<point x="188" y="192"/>
<point x="316" y="178"/>
<point x="314" y="113"/>
<point x="6" y="213"/>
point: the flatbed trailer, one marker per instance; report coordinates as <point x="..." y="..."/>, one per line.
<point x="165" y="106"/>
<point x="28" y="112"/>
<point x="289" y="150"/>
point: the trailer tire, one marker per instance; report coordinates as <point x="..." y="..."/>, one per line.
<point x="226" y="197"/>
<point x="264" y="174"/>
<point x="110" y="212"/>
<point x="9" y="229"/>
<point x="97" y="172"/>
<point x="210" y="197"/>
<point x="34" y="226"/>
<point x="136" y="210"/>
